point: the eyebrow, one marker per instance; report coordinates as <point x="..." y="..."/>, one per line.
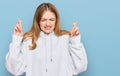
<point x="49" y="18"/>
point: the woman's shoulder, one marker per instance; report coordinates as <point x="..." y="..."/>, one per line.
<point x="64" y="34"/>
<point x="27" y="41"/>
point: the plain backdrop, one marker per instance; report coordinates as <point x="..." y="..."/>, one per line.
<point x="98" y="22"/>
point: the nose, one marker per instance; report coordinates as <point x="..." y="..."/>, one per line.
<point x="48" y="23"/>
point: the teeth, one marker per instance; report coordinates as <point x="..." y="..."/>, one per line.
<point x="48" y="27"/>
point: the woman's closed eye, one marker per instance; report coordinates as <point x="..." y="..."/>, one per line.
<point x="43" y="20"/>
<point x="52" y="19"/>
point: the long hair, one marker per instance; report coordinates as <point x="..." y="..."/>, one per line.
<point x="34" y="32"/>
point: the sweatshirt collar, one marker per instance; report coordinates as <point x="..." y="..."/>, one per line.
<point x="46" y="35"/>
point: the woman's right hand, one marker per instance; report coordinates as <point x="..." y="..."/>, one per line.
<point x="18" y="29"/>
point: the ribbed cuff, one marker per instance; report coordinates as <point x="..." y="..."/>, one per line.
<point x="16" y="40"/>
<point x="74" y="40"/>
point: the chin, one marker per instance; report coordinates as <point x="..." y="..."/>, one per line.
<point x="48" y="32"/>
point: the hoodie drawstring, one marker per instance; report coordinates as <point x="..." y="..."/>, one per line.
<point x="46" y="52"/>
<point x="51" y="50"/>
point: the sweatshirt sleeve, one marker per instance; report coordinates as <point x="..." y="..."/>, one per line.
<point x="15" y="62"/>
<point x="78" y="55"/>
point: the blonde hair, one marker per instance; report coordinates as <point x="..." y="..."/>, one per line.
<point x="34" y="32"/>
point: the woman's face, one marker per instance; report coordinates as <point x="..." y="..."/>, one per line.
<point x="47" y="22"/>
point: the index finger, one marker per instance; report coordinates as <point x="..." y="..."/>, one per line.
<point x="20" y="24"/>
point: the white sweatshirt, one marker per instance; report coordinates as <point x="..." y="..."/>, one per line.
<point x="53" y="56"/>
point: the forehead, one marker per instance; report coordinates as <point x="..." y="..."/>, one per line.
<point x="48" y="14"/>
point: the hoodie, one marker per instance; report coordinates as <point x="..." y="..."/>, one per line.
<point x="53" y="56"/>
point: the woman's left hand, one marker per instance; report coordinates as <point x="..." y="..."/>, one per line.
<point x="74" y="32"/>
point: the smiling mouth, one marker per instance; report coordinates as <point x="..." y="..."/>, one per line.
<point x="47" y="27"/>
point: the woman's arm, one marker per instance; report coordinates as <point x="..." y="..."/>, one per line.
<point x="78" y="55"/>
<point x="77" y="51"/>
<point x="15" y="62"/>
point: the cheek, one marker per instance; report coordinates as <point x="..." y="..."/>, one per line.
<point x="42" y="24"/>
<point x="53" y="25"/>
<point x="41" y="27"/>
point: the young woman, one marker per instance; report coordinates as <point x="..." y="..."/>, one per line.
<point x="46" y="50"/>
